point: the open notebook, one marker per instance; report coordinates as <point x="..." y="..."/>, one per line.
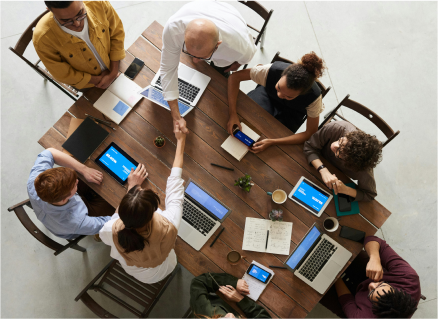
<point x="235" y="147"/>
<point x="256" y="238"/>
<point x="118" y="99"/>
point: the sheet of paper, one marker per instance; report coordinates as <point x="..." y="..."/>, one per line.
<point x="74" y="123"/>
<point x="280" y="234"/>
<point x="126" y="90"/>
<point x="235" y="147"/>
<point x="255" y="235"/>
<point x="256" y="287"/>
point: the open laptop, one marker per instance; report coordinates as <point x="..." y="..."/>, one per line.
<point x="318" y="259"/>
<point x="202" y="215"/>
<point x="191" y="84"/>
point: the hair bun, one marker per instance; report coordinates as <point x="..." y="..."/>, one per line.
<point x="313" y="64"/>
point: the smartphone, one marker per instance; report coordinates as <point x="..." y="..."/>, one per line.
<point x="134" y="68"/>
<point x="243" y="138"/>
<point x="352" y="234"/>
<point x="258" y="273"/>
<point x="344" y="203"/>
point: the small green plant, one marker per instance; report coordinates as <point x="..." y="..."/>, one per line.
<point x="159" y="141"/>
<point x="276" y="215"/>
<point x="244" y="183"/>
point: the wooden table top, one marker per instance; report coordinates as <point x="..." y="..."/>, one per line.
<point x="277" y="167"/>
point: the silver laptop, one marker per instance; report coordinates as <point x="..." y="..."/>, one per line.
<point x="191" y="84"/>
<point x="318" y="259"/>
<point x="202" y="215"/>
<point x="157" y="97"/>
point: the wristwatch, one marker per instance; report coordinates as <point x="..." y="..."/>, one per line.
<point x="321" y="167"/>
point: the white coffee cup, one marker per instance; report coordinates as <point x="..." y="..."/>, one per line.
<point x="279" y="196"/>
<point x="335" y="224"/>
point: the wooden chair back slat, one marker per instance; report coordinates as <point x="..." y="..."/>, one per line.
<point x="26" y="37"/>
<point x="258" y="8"/>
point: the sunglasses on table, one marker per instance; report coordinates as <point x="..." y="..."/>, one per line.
<point x="184" y="50"/>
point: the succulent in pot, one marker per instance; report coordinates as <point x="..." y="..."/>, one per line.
<point x="159" y="141"/>
<point x="244" y="183"/>
<point x="276" y="215"/>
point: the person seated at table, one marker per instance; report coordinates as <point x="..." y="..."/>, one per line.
<point x="209" y="31"/>
<point x="353" y="151"/>
<point x="287" y="91"/>
<point x="205" y="304"/>
<point x="52" y="194"/>
<point x="141" y="235"/>
<point x="383" y="283"/>
<point x="80" y="43"/>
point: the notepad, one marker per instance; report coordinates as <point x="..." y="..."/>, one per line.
<point x="235" y="147"/>
<point x="74" y="124"/>
<point x="256" y="233"/>
<point x="354" y="205"/>
<point x="119" y="99"/>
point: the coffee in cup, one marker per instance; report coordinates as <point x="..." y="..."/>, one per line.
<point x="234" y="257"/>
<point x="279" y="196"/>
<point x="331" y="224"/>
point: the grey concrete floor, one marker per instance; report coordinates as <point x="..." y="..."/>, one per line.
<point x="384" y="54"/>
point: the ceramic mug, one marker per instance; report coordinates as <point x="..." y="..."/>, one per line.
<point x="331" y="224"/>
<point x="233" y="257"/>
<point x="279" y="196"/>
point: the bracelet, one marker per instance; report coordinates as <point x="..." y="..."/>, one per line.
<point x="321" y="167"/>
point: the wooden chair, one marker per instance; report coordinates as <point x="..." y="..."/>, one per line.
<point x="366" y="112"/>
<point x="324" y="90"/>
<point x="265" y="15"/>
<point x="39" y="235"/>
<point x="21" y="46"/>
<point x="113" y="274"/>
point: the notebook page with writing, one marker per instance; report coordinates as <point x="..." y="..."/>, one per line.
<point x="235" y="147"/>
<point x="280" y="234"/>
<point x="126" y="90"/>
<point x="255" y="235"/>
<point x="112" y="106"/>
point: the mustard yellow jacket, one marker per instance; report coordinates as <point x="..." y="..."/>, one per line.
<point x="67" y="57"/>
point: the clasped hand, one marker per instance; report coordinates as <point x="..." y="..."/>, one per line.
<point x="235" y="295"/>
<point x="333" y="182"/>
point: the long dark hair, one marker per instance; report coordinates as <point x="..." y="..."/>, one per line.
<point x="136" y="210"/>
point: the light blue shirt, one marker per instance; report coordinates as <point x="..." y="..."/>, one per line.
<point x="67" y="221"/>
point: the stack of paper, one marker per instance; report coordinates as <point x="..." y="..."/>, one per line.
<point x="235" y="147"/>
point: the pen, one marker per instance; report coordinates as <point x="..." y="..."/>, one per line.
<point x="270" y="266"/>
<point x="101" y="121"/>
<point x="223" y="228"/>
<point x="214" y="280"/>
<point x="267" y="236"/>
<point x="230" y="169"/>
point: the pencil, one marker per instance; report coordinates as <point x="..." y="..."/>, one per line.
<point x="101" y="121"/>
<point x="230" y="169"/>
<point x="267" y="237"/>
<point x="223" y="228"/>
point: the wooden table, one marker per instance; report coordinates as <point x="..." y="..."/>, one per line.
<point x="276" y="167"/>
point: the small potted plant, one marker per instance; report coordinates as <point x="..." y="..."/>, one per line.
<point x="276" y="215"/>
<point x="244" y="183"/>
<point x="159" y="142"/>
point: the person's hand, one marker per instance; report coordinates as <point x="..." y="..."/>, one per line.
<point x="106" y="79"/>
<point x="374" y="269"/>
<point x="230" y="293"/>
<point x="242" y="287"/>
<point x="233" y="120"/>
<point x="339" y="187"/>
<point x="182" y="126"/>
<point x="328" y="178"/>
<point x="92" y="175"/>
<point x="261" y="146"/>
<point x="233" y="67"/>
<point x="180" y="136"/>
<point x="137" y="177"/>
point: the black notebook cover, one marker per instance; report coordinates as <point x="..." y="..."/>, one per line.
<point x="85" y="140"/>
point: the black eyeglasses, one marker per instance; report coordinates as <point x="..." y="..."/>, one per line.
<point x="79" y="18"/>
<point x="372" y="291"/>
<point x="338" y="151"/>
<point x="184" y="50"/>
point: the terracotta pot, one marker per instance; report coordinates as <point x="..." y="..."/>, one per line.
<point x="161" y="145"/>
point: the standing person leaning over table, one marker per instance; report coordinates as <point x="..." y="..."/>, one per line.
<point x="80" y="43"/>
<point x="205" y="304"/>
<point x="286" y="91"/>
<point x="204" y="30"/>
<point x="352" y="151"/>
<point x="142" y="236"/>
<point x="52" y="194"/>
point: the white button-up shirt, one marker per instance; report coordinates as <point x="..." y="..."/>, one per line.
<point x="237" y="42"/>
<point x="173" y="212"/>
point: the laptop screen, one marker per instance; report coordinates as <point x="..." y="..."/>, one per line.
<point x="157" y="97"/>
<point x="310" y="196"/>
<point x="212" y="205"/>
<point x="303" y="248"/>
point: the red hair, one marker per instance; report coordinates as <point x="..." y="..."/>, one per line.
<point x="55" y="184"/>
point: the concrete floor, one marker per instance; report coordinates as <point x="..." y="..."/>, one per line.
<point x="381" y="53"/>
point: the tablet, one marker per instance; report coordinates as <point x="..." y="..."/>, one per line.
<point x="116" y="162"/>
<point x="310" y="196"/>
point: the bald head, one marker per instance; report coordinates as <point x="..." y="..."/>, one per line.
<point x="201" y="37"/>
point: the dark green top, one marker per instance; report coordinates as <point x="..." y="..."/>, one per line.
<point x="204" y="302"/>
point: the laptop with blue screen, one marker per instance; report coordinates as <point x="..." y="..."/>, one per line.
<point x="317" y="259"/>
<point x="202" y="215"/>
<point x="157" y="97"/>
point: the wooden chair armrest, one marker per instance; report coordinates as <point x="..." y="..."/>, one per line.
<point x="25" y="202"/>
<point x="95" y="307"/>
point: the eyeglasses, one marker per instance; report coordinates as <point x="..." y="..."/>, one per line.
<point x="184" y="50"/>
<point x="79" y="18"/>
<point x="338" y="151"/>
<point x="372" y="291"/>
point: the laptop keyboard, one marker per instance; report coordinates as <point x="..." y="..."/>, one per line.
<point x="196" y="218"/>
<point x="317" y="260"/>
<point x="186" y="90"/>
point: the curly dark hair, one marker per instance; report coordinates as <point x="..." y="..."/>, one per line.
<point x="395" y="303"/>
<point x="362" y="151"/>
<point x="300" y="76"/>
